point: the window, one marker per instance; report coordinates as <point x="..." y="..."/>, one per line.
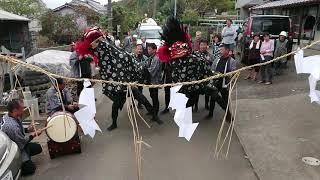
<point x="272" y="25"/>
<point x="150" y="34"/>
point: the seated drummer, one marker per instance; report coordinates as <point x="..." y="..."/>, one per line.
<point x="11" y="125"/>
<point x="53" y="102"/>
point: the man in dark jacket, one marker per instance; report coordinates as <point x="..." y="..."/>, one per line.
<point x="12" y="126"/>
<point x="145" y="46"/>
<point x="142" y="59"/>
<point x="128" y="43"/>
<point x="167" y="78"/>
<point x="209" y="58"/>
<point x="223" y="65"/>
<point x="154" y="68"/>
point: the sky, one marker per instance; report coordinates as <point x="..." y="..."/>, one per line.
<point x="56" y="3"/>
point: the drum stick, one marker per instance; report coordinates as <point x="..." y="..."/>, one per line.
<point x="45" y="128"/>
<point x="32" y="120"/>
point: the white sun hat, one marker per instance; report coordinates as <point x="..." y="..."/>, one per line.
<point x="283" y="33"/>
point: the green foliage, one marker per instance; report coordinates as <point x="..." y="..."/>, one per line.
<point x="222" y="6"/>
<point x="190" y="16"/>
<point x="43" y="42"/>
<point x="60" y="29"/>
<point x="21" y="7"/>
<point x="168" y="8"/>
<point x="126" y="17"/>
<point x="103" y="22"/>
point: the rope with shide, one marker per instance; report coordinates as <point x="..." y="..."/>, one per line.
<point x="131" y="107"/>
<point x="132" y="84"/>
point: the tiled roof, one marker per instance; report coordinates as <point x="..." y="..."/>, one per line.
<point x="4" y="15"/>
<point x="254" y="3"/>
<point x="91" y="4"/>
<point x="285" y="3"/>
<point x="96" y="6"/>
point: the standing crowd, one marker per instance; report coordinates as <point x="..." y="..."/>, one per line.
<point x="262" y="49"/>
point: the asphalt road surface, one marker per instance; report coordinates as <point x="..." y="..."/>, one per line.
<point x="110" y="155"/>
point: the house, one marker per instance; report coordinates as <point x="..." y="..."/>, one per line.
<point x="82" y="20"/>
<point x="14" y="32"/>
<point x="243" y="7"/>
<point x="91" y="4"/>
<point x="305" y="15"/>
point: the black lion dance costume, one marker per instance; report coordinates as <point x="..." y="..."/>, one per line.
<point x="187" y="66"/>
<point x="116" y="65"/>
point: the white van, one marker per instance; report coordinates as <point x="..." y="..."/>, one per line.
<point x="151" y="31"/>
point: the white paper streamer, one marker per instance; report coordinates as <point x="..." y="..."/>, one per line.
<point x="183" y="115"/>
<point x="86" y="114"/>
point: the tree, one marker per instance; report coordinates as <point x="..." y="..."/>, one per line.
<point x="190" y="16"/>
<point x="21" y="7"/>
<point x="104" y="22"/>
<point x="125" y="16"/>
<point x="60" y="29"/>
<point x="167" y="8"/>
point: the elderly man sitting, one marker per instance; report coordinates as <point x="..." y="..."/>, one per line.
<point x="12" y="126"/>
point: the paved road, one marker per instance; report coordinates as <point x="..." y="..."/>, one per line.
<point x="278" y="126"/>
<point x="110" y="155"/>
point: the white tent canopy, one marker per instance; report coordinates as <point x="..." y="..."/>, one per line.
<point x="52" y="60"/>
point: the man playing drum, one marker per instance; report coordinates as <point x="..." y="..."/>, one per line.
<point x="12" y="126"/>
<point x="62" y="134"/>
<point x="53" y="102"/>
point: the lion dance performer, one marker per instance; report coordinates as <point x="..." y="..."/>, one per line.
<point x="186" y="66"/>
<point x="116" y="65"/>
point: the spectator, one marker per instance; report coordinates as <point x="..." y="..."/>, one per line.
<point x="167" y="78"/>
<point x="74" y="61"/>
<point x="229" y="34"/>
<point x="281" y="48"/>
<point x="117" y="42"/>
<point x="204" y="53"/>
<point x="12" y="126"/>
<point x="154" y="68"/>
<point x="254" y="56"/>
<point x="196" y="43"/>
<point x="223" y="65"/>
<point x="145" y="46"/>
<point x="216" y="45"/>
<point x="142" y="59"/>
<point x="128" y="42"/>
<point x="266" y="52"/>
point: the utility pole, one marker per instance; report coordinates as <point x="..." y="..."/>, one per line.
<point x="154" y="9"/>
<point x="110" y="13"/>
<point x="175" y="8"/>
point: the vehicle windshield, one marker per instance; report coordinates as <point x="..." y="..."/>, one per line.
<point x="150" y="34"/>
<point x="272" y="25"/>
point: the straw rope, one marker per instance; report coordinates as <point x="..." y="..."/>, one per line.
<point x="41" y="70"/>
<point x="219" y="146"/>
<point x="132" y="108"/>
<point x="137" y="138"/>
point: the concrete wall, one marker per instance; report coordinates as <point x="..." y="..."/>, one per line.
<point x="244" y="13"/>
